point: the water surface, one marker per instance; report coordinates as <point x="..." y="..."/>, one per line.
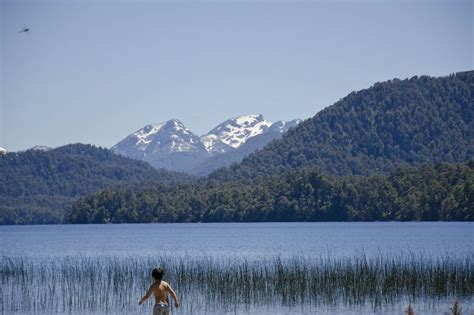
<point x="250" y="240"/>
<point x="132" y="247"/>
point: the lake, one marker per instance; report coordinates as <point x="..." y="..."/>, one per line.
<point x="239" y="268"/>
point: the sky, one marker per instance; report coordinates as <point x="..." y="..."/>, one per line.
<point x="96" y="71"/>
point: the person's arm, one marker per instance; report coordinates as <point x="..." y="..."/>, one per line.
<point x="173" y="295"/>
<point x="146" y="296"/>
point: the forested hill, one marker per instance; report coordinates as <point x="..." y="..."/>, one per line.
<point x="427" y="193"/>
<point x="394" y="123"/>
<point x="37" y="186"/>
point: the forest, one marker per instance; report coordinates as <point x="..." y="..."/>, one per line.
<point x="427" y="193"/>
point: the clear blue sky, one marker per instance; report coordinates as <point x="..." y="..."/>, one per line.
<point x="95" y="71"/>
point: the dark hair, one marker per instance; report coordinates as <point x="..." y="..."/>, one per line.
<point x="158" y="273"/>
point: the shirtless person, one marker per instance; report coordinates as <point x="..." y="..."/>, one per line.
<point x="160" y="290"/>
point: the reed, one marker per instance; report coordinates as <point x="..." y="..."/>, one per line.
<point x="107" y="284"/>
<point x="456" y="309"/>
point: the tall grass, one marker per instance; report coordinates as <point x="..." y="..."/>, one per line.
<point x="108" y="284"/>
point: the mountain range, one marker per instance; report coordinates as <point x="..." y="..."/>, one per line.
<point x="172" y="146"/>
<point x="373" y="155"/>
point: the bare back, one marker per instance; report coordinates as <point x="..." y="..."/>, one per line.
<point x="160" y="291"/>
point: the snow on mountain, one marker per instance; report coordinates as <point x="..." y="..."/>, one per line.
<point x="3" y="150"/>
<point x="40" y="148"/>
<point x="282" y="126"/>
<point x="165" y="138"/>
<point x="223" y="158"/>
<point x="172" y="146"/>
<point x="234" y="132"/>
<point x="145" y="135"/>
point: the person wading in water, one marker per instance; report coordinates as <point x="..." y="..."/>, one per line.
<point x="160" y="290"/>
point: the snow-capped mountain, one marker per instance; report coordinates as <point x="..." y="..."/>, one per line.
<point x="172" y="146"/>
<point x="263" y="135"/>
<point x="40" y="148"/>
<point x="168" y="145"/>
<point x="234" y="132"/>
<point x="169" y="137"/>
<point x="3" y="150"/>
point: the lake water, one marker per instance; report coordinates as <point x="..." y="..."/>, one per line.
<point x="250" y="242"/>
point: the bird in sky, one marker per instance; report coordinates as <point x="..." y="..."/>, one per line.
<point x="24" y="30"/>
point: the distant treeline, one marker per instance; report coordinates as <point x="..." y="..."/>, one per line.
<point x="427" y="193"/>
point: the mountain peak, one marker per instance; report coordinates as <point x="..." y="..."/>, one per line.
<point x="233" y="132"/>
<point x="145" y="135"/>
<point x="175" y="123"/>
<point x="236" y="131"/>
<point x="163" y="138"/>
<point x="248" y="119"/>
<point x="173" y="146"/>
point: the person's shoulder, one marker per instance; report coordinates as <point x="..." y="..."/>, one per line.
<point x="155" y="285"/>
<point x="166" y="284"/>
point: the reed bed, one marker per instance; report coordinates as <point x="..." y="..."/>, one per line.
<point x="108" y="284"/>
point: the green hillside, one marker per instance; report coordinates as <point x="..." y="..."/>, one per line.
<point x="37" y="186"/>
<point x="391" y="124"/>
